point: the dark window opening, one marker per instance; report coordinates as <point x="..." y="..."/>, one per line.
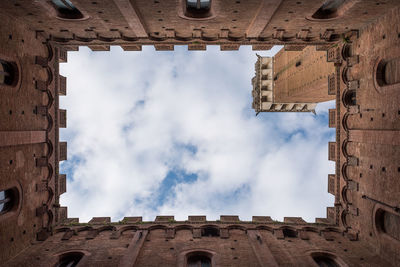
<point x="289" y="233"/>
<point x="347" y="51"/>
<point x="264" y="99"/>
<point x="66" y="10"/>
<point x="349" y="98"/>
<point x="331" y="55"/>
<point x="389" y="223"/>
<point x="70" y="259"/>
<point x="199" y="261"/>
<point x="210" y="231"/>
<point x="198" y="8"/>
<point x="325" y="261"/>
<point x="388" y="72"/>
<point x="346" y="75"/>
<point x="298" y="63"/>
<point x="8" y="200"/>
<point x="329" y="9"/>
<point x="331" y="84"/>
<point x="8" y="73"/>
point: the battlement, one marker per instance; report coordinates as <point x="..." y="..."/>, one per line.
<point x="195" y="46"/>
<point x="198" y="219"/>
<point x="292" y="227"/>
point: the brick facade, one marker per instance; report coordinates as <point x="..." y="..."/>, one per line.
<point x="360" y="230"/>
<point x="302" y="76"/>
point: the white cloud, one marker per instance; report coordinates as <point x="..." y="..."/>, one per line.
<point x="135" y="117"/>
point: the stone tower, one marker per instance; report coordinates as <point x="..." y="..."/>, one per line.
<point x="302" y="76"/>
<point x="292" y="81"/>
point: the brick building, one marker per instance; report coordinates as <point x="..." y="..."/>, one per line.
<point x="362" y="39"/>
<point x="302" y="76"/>
<point x="292" y="81"/>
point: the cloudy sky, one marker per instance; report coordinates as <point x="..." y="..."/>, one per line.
<point x="173" y="133"/>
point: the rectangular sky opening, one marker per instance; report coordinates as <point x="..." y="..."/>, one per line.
<point x="174" y="133"/>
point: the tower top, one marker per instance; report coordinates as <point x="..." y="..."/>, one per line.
<point x="263" y="90"/>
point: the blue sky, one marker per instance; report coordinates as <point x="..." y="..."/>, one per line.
<point x="173" y="133"/>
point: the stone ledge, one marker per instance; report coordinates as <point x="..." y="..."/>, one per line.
<point x="100" y="220"/>
<point x="229" y="218"/>
<point x="262" y="219"/>
<point x="197" y="218"/>
<point x="164" y="218"/>
<point x="137" y="219"/>
<point x="297" y="220"/>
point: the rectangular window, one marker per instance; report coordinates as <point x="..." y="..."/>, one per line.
<point x="198" y="4"/>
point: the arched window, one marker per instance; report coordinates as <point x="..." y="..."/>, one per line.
<point x="8" y="200"/>
<point x="70" y="259"/>
<point x="388" y="72"/>
<point x="199" y="261"/>
<point x="349" y="98"/>
<point x="66" y="10"/>
<point x="325" y="261"/>
<point x="347" y="51"/>
<point x="388" y="223"/>
<point x="329" y="9"/>
<point x="210" y="231"/>
<point x="198" y="8"/>
<point x="8" y="73"/>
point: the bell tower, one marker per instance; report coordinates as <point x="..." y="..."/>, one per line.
<point x="292" y="81"/>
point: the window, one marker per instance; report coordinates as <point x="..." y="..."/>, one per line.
<point x="298" y="63"/>
<point x="66" y="10"/>
<point x="325" y="261"/>
<point x="347" y="51"/>
<point x="331" y="84"/>
<point x="199" y="5"/>
<point x="329" y="9"/>
<point x="199" y="261"/>
<point x="289" y="232"/>
<point x="349" y="98"/>
<point x="8" y="73"/>
<point x="210" y="231"/>
<point x="388" y="72"/>
<point x="8" y="200"/>
<point x="198" y="8"/>
<point x="70" y="259"/>
<point x="388" y="223"/>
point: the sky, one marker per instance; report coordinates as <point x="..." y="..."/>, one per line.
<point x="173" y="133"/>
